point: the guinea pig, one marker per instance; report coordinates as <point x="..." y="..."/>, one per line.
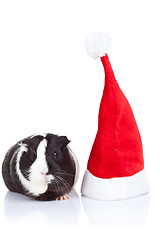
<point x="42" y="167"/>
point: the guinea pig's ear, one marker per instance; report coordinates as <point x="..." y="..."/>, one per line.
<point x="64" y="141"/>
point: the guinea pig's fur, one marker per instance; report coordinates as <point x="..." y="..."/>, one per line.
<point x="41" y="166"/>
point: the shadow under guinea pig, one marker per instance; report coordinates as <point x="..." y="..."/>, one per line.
<point x="21" y="210"/>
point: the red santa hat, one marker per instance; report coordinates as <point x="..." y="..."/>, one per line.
<point x="115" y="167"/>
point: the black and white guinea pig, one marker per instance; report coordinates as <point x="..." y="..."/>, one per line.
<point x="42" y="167"/>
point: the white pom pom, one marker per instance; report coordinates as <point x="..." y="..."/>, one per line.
<point x="97" y="44"/>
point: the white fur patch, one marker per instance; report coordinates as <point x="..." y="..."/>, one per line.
<point x="38" y="180"/>
<point x="23" y="180"/>
<point x="38" y="170"/>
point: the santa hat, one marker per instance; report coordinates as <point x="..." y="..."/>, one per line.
<point x="115" y="167"/>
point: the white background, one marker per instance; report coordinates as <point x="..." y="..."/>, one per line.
<point x="49" y="84"/>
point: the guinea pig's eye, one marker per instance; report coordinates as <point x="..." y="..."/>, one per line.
<point x="55" y="155"/>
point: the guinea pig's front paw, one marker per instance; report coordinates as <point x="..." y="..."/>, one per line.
<point x="64" y="197"/>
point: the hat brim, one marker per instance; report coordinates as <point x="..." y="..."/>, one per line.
<point x="117" y="188"/>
